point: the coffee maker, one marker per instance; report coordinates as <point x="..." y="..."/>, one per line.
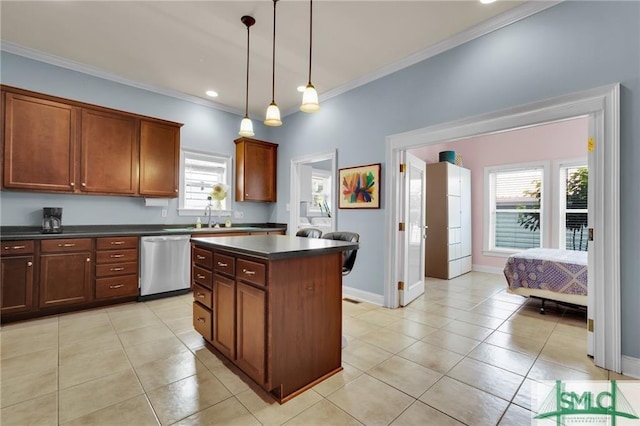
<point x="51" y="220"/>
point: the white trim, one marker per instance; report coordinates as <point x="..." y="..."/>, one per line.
<point x="189" y="211"/>
<point x="631" y="366"/>
<point x="365" y="296"/>
<point x="487" y="269"/>
<point x="602" y="104"/>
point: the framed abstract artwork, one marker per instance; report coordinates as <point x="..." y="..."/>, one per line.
<point x="359" y="187"/>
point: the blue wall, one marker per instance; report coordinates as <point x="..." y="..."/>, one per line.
<point x="570" y="47"/>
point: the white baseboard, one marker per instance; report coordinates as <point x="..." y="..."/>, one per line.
<point x="365" y="296"/>
<point x="487" y="269"/>
<point x="631" y="366"/>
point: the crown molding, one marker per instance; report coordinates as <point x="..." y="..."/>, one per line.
<point x="96" y="72"/>
<point x="500" y="21"/>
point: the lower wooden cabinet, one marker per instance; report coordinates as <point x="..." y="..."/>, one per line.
<point x="224" y="311"/>
<point x="16" y="277"/>
<point x="116" y="267"/>
<point x="65" y="277"/>
<point x="251" y="330"/>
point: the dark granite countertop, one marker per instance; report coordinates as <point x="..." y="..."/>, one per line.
<point x="13" y="233"/>
<point x="275" y="246"/>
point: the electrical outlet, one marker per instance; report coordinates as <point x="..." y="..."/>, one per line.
<point x="238" y="215"/>
<point x="164" y="212"/>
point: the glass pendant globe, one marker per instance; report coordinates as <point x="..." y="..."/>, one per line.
<point x="246" y="127"/>
<point x="273" y="115"/>
<point x="310" y="99"/>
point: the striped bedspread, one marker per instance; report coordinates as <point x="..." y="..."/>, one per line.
<point x="562" y="271"/>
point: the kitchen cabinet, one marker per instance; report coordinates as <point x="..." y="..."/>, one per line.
<point x="109" y="153"/>
<point x="116" y="267"/>
<point x="448" y="208"/>
<point x="256" y="168"/>
<point x="39" y="143"/>
<point x="16" y="276"/>
<point x="159" y="159"/>
<point x="65" y="271"/>
<point x="58" y="145"/>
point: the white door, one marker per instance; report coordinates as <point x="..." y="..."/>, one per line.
<point x="590" y="248"/>
<point x="414" y="185"/>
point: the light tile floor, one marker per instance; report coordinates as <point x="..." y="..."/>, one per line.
<point x="465" y="344"/>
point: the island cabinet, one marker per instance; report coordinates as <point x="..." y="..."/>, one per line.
<point x="276" y="315"/>
<point x="65" y="271"/>
<point x="256" y="168"/>
<point x="17" y="265"/>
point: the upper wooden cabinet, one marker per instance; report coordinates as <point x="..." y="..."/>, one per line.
<point x="58" y="145"/>
<point x="39" y="143"/>
<point x="256" y="167"/>
<point x="159" y="159"/>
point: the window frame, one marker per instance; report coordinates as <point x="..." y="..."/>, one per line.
<point x="325" y="175"/>
<point x="489" y="248"/>
<point x="208" y="156"/>
<point x="559" y="233"/>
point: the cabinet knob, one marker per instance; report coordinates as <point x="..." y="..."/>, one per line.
<point x="72" y="184"/>
<point x="88" y="259"/>
<point x="246" y="195"/>
<point x="29" y="263"/>
<point x="175" y="190"/>
<point x="83" y="184"/>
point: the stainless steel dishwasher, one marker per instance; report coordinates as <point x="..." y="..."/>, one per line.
<point x="164" y="266"/>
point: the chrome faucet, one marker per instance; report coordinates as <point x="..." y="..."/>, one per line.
<point x="208" y="211"/>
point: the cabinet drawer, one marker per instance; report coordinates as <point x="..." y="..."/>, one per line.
<point x="201" y="276"/>
<point x="224" y="264"/>
<point x="202" y="295"/>
<point x="202" y="320"/>
<point x="116" y="256"/>
<point x="66" y="244"/>
<point x="117" y="286"/>
<point x="116" y="243"/>
<point x="16" y="247"/>
<point x="202" y="257"/>
<point x="252" y="272"/>
<point x="108" y="270"/>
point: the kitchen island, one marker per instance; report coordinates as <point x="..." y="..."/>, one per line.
<point x="271" y="304"/>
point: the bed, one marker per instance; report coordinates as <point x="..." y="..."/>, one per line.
<point x="548" y="274"/>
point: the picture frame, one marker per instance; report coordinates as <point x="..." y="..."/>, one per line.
<point x="359" y="187"/>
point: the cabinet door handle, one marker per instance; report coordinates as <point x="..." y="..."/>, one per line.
<point x="115" y="256"/>
<point x="200" y="320"/>
<point x="67" y="245"/>
<point x="117" y="269"/>
<point x="72" y="184"/>
<point x="88" y="259"/>
<point x="29" y="263"/>
<point x="14" y="247"/>
<point x="248" y="272"/>
<point x="200" y="295"/>
<point x="116" y="286"/>
<point x="199" y="257"/>
<point x="83" y="184"/>
<point x="117" y="243"/>
<point x="223" y="264"/>
<point x="200" y="276"/>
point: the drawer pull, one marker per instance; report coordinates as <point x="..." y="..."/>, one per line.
<point x="200" y="295"/>
<point x="67" y="245"/>
<point x="223" y="264"/>
<point x="29" y="263"/>
<point x="200" y="320"/>
<point x="116" y="286"/>
<point x="248" y="272"/>
<point x="117" y="243"/>
<point x="200" y="276"/>
<point x="199" y="257"/>
<point x="14" y="247"/>
<point x="116" y="255"/>
<point x="88" y="259"/>
<point x="120" y="268"/>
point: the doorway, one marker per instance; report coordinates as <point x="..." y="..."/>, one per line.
<point x="602" y="107"/>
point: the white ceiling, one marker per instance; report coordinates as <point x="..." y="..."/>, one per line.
<point x="184" y="48"/>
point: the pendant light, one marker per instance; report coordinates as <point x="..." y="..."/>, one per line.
<point x="273" y="112"/>
<point x="310" y="96"/>
<point x="246" y="126"/>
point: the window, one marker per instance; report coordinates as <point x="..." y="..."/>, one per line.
<point x="515" y="199"/>
<point x="574" y="182"/>
<point x="200" y="172"/>
<point x="320" y="192"/>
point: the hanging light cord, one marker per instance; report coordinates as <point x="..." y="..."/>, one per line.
<point x="273" y="64"/>
<point x="246" y="97"/>
<point x="310" y="35"/>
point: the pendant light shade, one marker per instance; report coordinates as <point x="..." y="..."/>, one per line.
<point x="246" y="126"/>
<point x="310" y="96"/>
<point x="273" y="112"/>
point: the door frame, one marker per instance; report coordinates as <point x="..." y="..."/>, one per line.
<point x="294" y="187"/>
<point x="602" y="105"/>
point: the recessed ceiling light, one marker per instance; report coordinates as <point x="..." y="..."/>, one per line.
<point x="487" y="1"/>
<point x="212" y="93"/>
<point x="301" y="88"/>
